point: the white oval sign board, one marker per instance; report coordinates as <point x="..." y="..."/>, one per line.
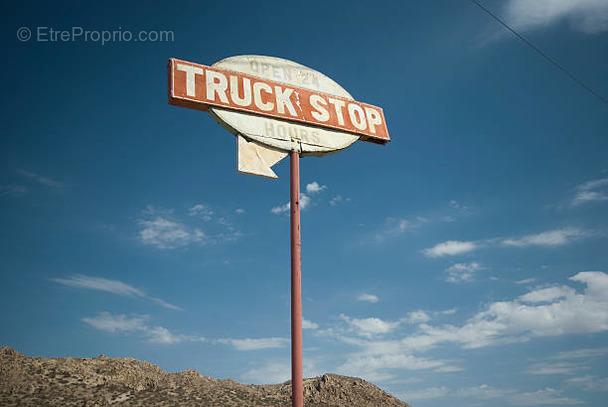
<point x="281" y="134"/>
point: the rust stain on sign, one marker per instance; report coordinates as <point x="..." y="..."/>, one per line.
<point x="198" y="87"/>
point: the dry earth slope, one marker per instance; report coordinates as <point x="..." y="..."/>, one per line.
<point x="103" y="381"/>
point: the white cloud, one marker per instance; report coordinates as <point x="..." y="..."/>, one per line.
<point x="160" y="228"/>
<point x="161" y="335"/>
<point x="239" y="211"/>
<point x="110" y="286"/>
<point x="280" y="209"/>
<point x="559" y="368"/>
<point x="314" y="187"/>
<point x="450" y="248"/>
<point x="417" y="317"/>
<point x="547" y="294"/>
<point x="255" y="343"/>
<point x="483" y="392"/>
<point x="201" y="211"/>
<point x="425" y="394"/>
<point x="369" y="327"/>
<point x="591" y="191"/>
<point x="514" y="321"/>
<point x="543" y="397"/>
<point x="12" y="190"/>
<point x="380" y="347"/>
<point x="46" y="181"/>
<point x="337" y="200"/>
<point x="582" y="353"/>
<point x="270" y="373"/>
<point x="304" y="203"/>
<point x="546" y="396"/>
<point x="526" y="281"/>
<point x="374" y="367"/>
<point x="589" y="383"/>
<point x="499" y="323"/>
<point x="552" y="238"/>
<point x="306" y="324"/>
<point x="462" y="272"/>
<point x="277" y="371"/>
<point x="589" y="16"/>
<point x="368" y="297"/>
<point x="167" y="234"/>
<point x="138" y="323"/>
<point x="117" y="323"/>
<point x="558" y="237"/>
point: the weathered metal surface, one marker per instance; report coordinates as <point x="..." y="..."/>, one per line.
<point x="297" y="384"/>
<point x="255" y="159"/>
<point x="277" y="102"/>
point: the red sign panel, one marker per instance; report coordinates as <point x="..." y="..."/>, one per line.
<point x="199" y="86"/>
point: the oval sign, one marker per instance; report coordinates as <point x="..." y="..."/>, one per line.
<point x="281" y="134"/>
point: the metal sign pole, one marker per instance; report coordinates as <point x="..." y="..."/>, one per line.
<point x="297" y="385"/>
<point x="266" y="127"/>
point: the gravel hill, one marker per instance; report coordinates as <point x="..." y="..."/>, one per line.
<point x="103" y="381"/>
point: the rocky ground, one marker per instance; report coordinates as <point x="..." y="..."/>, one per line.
<point x="103" y="381"/>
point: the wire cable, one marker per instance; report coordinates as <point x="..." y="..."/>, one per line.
<point x="541" y="53"/>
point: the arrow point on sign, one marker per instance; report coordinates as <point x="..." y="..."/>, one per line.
<point x="256" y="159"/>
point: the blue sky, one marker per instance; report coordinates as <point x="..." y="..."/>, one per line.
<point x="463" y="262"/>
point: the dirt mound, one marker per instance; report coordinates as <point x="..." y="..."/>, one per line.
<point x="103" y="381"/>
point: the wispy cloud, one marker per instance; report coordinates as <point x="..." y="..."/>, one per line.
<point x="549" y="294"/>
<point x="248" y="344"/>
<point x="117" y="323"/>
<point x="426" y="394"/>
<point x="306" y="198"/>
<point x="269" y="373"/>
<point x="544" y="397"/>
<point x="555" y="368"/>
<point x="591" y="191"/>
<point x="589" y="383"/>
<point x="162" y="229"/>
<point x="369" y="327"/>
<point x="547" y="396"/>
<point x="462" y="272"/>
<point x="304" y="203"/>
<point x="418" y="317"/>
<point x="525" y="281"/>
<point x="12" y="190"/>
<point x="588" y="16"/>
<point x="368" y="297"/>
<point x="138" y="323"/>
<point x="582" y="353"/>
<point x="314" y="187"/>
<point x="110" y="286"/>
<point x="42" y="180"/>
<point x="337" y="200"/>
<point x="307" y="324"/>
<point x="450" y="248"/>
<point x="549" y="314"/>
<point x="539" y="313"/>
<point x="483" y="392"/>
<point x="393" y="227"/>
<point x="552" y="238"/>
<point x="163" y="233"/>
<point x="277" y="371"/>
<point x="558" y="237"/>
<point x="202" y="211"/>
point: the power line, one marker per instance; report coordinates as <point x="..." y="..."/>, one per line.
<point x="541" y="53"/>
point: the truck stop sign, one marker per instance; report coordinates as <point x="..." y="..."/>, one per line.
<point x="275" y="106"/>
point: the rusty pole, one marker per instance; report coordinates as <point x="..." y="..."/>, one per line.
<point x="297" y="385"/>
